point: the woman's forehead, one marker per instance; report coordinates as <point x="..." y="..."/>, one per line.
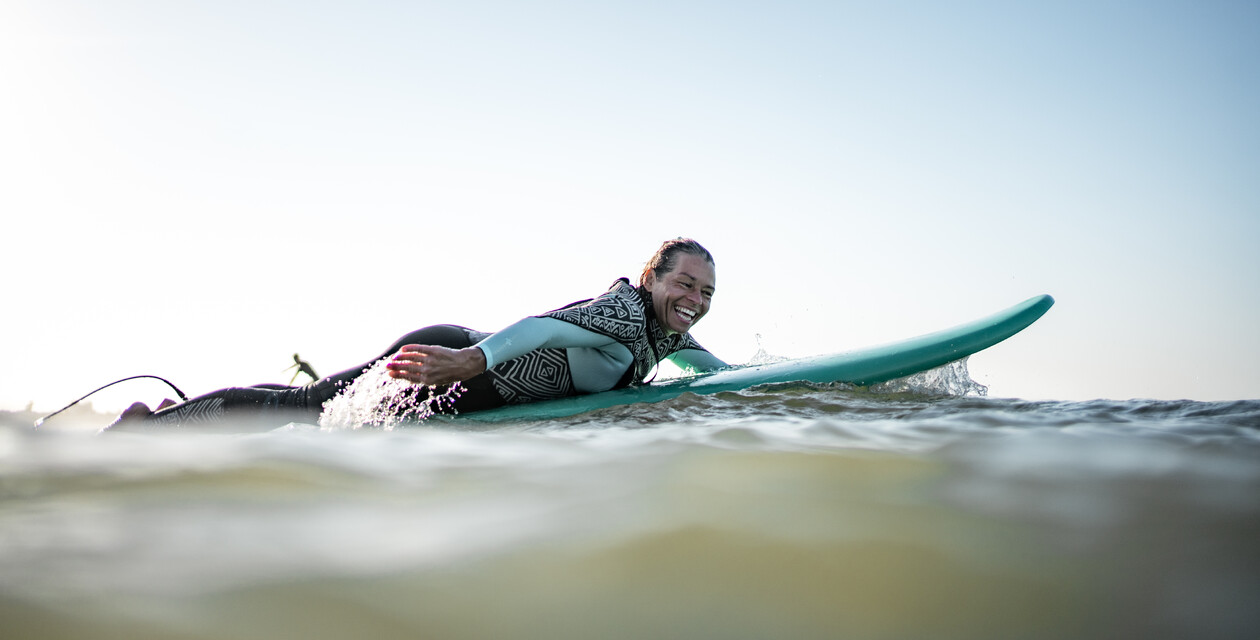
<point x="696" y="268"/>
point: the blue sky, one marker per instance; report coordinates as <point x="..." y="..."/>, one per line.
<point x="198" y="190"/>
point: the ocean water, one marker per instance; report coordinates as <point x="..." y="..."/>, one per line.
<point x="919" y="509"/>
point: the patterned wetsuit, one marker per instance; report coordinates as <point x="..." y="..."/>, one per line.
<point x="624" y="314"/>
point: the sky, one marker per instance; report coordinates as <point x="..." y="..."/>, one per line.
<point x="199" y="190"/>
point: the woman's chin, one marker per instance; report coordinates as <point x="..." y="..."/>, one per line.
<point x="678" y="326"/>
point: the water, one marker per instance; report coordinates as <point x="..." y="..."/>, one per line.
<point x="377" y="400"/>
<point x="802" y="511"/>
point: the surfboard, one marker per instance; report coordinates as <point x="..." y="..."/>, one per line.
<point x="862" y="367"/>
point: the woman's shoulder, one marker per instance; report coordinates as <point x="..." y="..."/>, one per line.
<point x="617" y="313"/>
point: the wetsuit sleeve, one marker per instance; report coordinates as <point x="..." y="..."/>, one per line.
<point x="538" y="333"/>
<point x="696" y="359"/>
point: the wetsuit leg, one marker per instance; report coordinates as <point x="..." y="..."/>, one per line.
<point x="277" y="405"/>
<point x="262" y="408"/>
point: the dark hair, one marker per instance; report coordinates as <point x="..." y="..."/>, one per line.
<point x="666" y="258"/>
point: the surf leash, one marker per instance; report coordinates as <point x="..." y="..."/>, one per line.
<point x="168" y="383"/>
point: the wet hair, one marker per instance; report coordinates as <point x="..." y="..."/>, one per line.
<point x="666" y="258"/>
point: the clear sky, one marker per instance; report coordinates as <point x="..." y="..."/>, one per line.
<point x="200" y="189"/>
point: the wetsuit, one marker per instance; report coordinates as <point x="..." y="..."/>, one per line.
<point x="608" y="342"/>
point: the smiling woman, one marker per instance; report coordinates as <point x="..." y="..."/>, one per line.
<point x="608" y="342"/>
<point x="681" y="279"/>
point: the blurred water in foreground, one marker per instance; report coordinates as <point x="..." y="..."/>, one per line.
<point x="802" y="511"/>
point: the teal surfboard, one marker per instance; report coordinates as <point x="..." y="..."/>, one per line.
<point x="863" y="367"/>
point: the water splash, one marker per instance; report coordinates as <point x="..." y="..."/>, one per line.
<point x="762" y="356"/>
<point x="375" y="399"/>
<point x="951" y="379"/>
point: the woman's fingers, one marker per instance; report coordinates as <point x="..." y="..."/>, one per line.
<point x="407" y="364"/>
<point x="426" y="364"/>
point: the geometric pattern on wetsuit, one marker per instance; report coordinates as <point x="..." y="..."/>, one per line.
<point x="541" y="374"/>
<point x="622" y="314"/>
<point x="199" y="411"/>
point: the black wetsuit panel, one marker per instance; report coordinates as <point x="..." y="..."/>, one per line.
<point x="277" y="405"/>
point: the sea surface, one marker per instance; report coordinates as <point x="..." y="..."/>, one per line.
<point x="783" y="511"/>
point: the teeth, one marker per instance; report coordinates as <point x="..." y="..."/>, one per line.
<point x="686" y="312"/>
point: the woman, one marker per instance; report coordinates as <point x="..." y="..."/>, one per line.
<point x="608" y="342"/>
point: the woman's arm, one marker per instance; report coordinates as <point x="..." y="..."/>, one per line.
<point x="696" y="360"/>
<point x="431" y="365"/>
<point x="538" y="333"/>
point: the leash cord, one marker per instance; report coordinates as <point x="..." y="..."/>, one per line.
<point x="168" y="383"/>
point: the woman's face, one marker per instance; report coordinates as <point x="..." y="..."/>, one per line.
<point x="682" y="296"/>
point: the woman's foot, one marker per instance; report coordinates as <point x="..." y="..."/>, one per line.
<point x="137" y="412"/>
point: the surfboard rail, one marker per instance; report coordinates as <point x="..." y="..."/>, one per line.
<point x="861" y="367"/>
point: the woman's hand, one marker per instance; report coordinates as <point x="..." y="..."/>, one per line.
<point x="429" y="365"/>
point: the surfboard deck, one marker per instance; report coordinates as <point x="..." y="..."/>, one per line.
<point x="862" y="367"/>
